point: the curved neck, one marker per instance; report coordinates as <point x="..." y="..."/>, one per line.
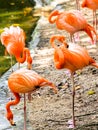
<point x="11" y="103"/>
<point x="59" y="59"/>
<point x="60" y="39"/>
<point x="26" y="54"/>
<point x="29" y="58"/>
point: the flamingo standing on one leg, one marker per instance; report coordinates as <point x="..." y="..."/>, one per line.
<point x="77" y="5"/>
<point x="71" y="57"/>
<point x="72" y="22"/>
<point x="93" y="5"/>
<point x="24" y="81"/>
<point x="13" y="39"/>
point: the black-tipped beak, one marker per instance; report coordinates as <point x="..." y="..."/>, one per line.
<point x="12" y="123"/>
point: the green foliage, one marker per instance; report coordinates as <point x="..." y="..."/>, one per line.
<point x="21" y="14"/>
<point x="16" y="4"/>
<point x="5" y="63"/>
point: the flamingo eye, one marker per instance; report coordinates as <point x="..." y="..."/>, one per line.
<point x="67" y="46"/>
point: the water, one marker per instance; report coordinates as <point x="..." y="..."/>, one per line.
<point x="40" y="3"/>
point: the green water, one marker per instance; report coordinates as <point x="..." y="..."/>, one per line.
<point x="24" y="18"/>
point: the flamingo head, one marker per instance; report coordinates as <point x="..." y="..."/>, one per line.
<point x="47" y="83"/>
<point x="60" y="38"/>
<point x="53" y="87"/>
<point x="10" y="118"/>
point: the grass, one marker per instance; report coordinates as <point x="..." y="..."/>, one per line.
<point x="5" y="63"/>
<point x="25" y="20"/>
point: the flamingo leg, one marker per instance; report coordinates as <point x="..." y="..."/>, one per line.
<point x="93" y="18"/>
<point x="73" y="99"/>
<point x="77" y="5"/>
<point x="76" y="37"/>
<point x="95" y="21"/>
<point x="18" y="65"/>
<point x="5" y="52"/>
<point x="11" y="63"/>
<point x="25" y="112"/>
<point x="71" y="38"/>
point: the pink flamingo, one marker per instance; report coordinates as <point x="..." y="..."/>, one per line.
<point x="93" y="5"/>
<point x="24" y="81"/>
<point x="72" y="22"/>
<point x="72" y="57"/>
<point x="13" y="38"/>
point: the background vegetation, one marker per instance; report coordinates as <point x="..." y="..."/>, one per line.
<point x="15" y="12"/>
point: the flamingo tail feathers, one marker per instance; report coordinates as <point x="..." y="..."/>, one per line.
<point x="89" y="29"/>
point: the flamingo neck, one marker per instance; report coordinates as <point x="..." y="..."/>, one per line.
<point x="25" y="55"/>
<point x="21" y="59"/>
<point x="55" y="15"/>
<point x="11" y="103"/>
<point x="29" y="58"/>
<point x="45" y="82"/>
<point x="52" y="20"/>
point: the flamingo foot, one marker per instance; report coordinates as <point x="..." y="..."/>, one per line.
<point x="76" y="37"/>
<point x="67" y="72"/>
<point x="71" y="124"/>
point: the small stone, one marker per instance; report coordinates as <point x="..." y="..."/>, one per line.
<point x="77" y="87"/>
<point x="91" y="92"/>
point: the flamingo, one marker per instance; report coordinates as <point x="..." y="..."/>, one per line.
<point x="13" y="38"/>
<point x="72" y="57"/>
<point x="72" y="22"/>
<point x="24" y="81"/>
<point x="93" y="5"/>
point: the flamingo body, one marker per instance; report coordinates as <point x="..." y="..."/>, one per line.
<point x="67" y="21"/>
<point x="73" y="58"/>
<point x="25" y="81"/>
<point x="72" y="22"/>
<point x="91" y="4"/>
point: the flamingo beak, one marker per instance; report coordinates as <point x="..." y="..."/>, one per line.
<point x="12" y="123"/>
<point x="29" y="66"/>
